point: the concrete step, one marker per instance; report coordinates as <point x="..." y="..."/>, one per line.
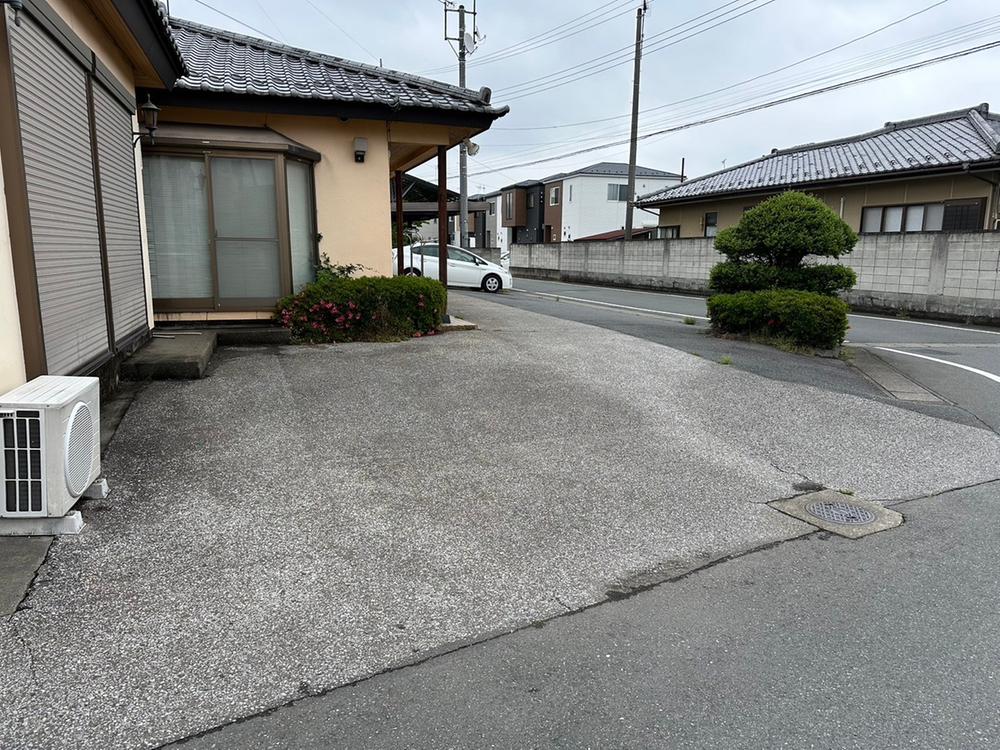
<point x="184" y="356"/>
<point x="236" y="334"/>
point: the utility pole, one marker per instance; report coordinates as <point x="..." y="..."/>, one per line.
<point x="465" y="41"/>
<point x="640" y="18"/>
<point x="463" y="152"/>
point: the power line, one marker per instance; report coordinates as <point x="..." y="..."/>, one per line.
<point x="547" y="37"/>
<point x="744" y="81"/>
<point x="624" y="54"/>
<point x="343" y="30"/>
<point x="869" y="61"/>
<point x="244" y="24"/>
<point x="765" y="105"/>
<point x="271" y="20"/>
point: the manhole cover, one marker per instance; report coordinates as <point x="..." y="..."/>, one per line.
<point x="838" y="512"/>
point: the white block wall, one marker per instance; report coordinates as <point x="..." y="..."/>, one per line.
<point x="954" y="275"/>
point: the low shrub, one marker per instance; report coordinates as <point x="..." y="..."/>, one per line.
<point x="730" y="277"/>
<point x="784" y="229"/>
<point x="340" y="308"/>
<point x="805" y="318"/>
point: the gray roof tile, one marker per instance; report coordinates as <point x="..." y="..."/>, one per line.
<point x="222" y="61"/>
<point x="942" y="140"/>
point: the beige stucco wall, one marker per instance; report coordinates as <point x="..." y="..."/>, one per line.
<point x="94" y="34"/>
<point x="690" y="217"/>
<point x="352" y="199"/>
<point x="11" y="352"/>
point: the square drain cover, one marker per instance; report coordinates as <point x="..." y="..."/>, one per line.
<point x="839" y="513"/>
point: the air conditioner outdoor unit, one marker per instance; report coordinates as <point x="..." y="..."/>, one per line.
<point x="50" y="438"/>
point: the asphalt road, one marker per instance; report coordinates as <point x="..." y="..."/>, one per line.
<point x="971" y="397"/>
<point x="819" y="642"/>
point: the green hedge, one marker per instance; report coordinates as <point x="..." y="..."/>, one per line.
<point x="730" y="277"/>
<point x="806" y="318"/>
<point x="783" y="230"/>
<point x="335" y="308"/>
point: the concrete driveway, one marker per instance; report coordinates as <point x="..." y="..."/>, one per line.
<point x="306" y="517"/>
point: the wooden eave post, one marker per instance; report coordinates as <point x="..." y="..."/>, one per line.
<point x="443" y="215"/>
<point x="400" y="241"/>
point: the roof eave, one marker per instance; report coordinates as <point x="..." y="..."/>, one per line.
<point x="980" y="166"/>
<point x="347" y="110"/>
<point x="152" y="32"/>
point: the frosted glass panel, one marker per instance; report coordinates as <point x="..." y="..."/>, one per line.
<point x="300" y="223"/>
<point x="893" y="221"/>
<point x="914" y="218"/>
<point x="177" y="225"/>
<point x="243" y="198"/>
<point x="871" y="220"/>
<point x="246" y="228"/>
<point x="934" y="218"/>
<point x="248" y="269"/>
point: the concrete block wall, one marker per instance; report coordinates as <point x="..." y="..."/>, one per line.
<point x="947" y="275"/>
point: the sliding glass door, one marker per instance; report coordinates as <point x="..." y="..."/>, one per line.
<point x="245" y="214"/>
<point x="228" y="232"/>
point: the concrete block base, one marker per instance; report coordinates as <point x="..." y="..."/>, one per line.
<point x="71" y="523"/>
<point x="171" y="356"/>
<point x="457" y="324"/>
<point x="99" y="490"/>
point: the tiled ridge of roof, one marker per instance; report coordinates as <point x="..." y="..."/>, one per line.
<point x="160" y="8"/>
<point x="940" y="140"/>
<point x="223" y="61"/>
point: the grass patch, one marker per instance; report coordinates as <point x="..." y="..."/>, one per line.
<point x="726" y="361"/>
<point x="689" y="321"/>
<point x="783" y="343"/>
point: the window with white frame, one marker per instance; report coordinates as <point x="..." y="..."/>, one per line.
<point x="672" y="232"/>
<point x="617" y="192"/>
<point x="554" y="196"/>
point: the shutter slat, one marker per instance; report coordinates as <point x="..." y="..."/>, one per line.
<point x="120" y="200"/>
<point x="52" y="107"/>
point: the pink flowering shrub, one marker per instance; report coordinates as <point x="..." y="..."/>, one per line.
<point x="337" y="308"/>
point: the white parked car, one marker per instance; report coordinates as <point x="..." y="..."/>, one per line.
<point x="464" y="268"/>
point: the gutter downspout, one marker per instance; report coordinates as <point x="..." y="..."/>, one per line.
<point x="993" y="213"/>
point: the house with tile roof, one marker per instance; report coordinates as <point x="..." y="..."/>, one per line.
<point x="938" y="173"/>
<point x="269" y="156"/>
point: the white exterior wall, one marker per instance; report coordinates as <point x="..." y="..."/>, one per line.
<point x="12" y="372"/>
<point x="590" y="212"/>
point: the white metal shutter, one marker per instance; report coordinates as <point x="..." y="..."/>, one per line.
<point x="120" y="200"/>
<point x="51" y="90"/>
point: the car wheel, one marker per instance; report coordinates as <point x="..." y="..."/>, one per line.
<point x="492" y="284"/>
<point x="411" y="272"/>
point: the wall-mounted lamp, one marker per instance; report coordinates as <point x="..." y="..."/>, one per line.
<point x="149" y="117"/>
<point x="360" y="149"/>
<point x="18" y="6"/>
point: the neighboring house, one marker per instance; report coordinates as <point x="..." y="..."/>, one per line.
<point x="593" y="200"/>
<point x="494" y="234"/>
<point x="73" y="272"/>
<point x="935" y="173"/>
<point x="269" y="155"/>
<point x="522" y="211"/>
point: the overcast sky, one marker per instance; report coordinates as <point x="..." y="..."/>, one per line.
<point x="407" y="35"/>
